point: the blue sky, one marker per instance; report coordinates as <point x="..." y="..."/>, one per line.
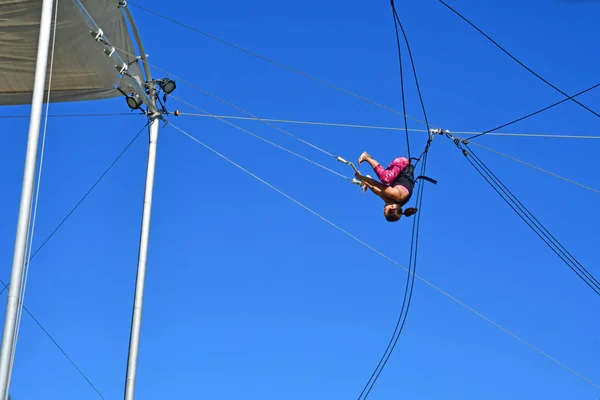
<point x="249" y="295"/>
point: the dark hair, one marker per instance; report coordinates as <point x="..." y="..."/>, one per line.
<point x="394" y="215"/>
<point x="410" y="211"/>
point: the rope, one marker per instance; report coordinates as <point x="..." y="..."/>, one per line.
<point x="384" y="128"/>
<point x="415" y="229"/>
<point x="472" y="310"/>
<point x="519" y="62"/>
<point x="538" y="168"/>
<point x="412" y="62"/>
<point x="530" y="219"/>
<point x="267" y="141"/>
<point x="401" y="78"/>
<point x="534" y="113"/>
<point x="278" y="64"/>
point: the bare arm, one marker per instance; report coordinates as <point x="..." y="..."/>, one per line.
<point x="387" y="193"/>
<point x="377" y="191"/>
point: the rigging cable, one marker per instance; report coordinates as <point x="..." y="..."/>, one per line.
<point x="39" y="324"/>
<point x="383" y="128"/>
<point x="272" y="125"/>
<point x="265" y="122"/>
<point x="527" y="216"/>
<point x="90" y="190"/>
<point x="412" y="62"/>
<point x="446" y="294"/>
<point x="329" y="124"/>
<point x="489" y="132"/>
<point x="266" y="59"/>
<point x="537" y="168"/>
<point x="391" y="260"/>
<point x="225" y="117"/>
<point x="533" y="113"/>
<point x="270" y="142"/>
<point x="517" y="60"/>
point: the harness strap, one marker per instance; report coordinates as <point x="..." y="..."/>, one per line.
<point x="428" y="179"/>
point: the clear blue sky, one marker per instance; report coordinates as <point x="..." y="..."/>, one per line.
<point x="251" y="297"/>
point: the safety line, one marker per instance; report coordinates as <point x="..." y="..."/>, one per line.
<point x="384" y="128"/>
<point x="517" y="60"/>
<point x="274" y="62"/>
<point x="386" y="257"/>
<point x="267" y="141"/>
<point x="537" y="168"/>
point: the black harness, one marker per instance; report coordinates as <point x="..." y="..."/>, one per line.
<point x="406" y="178"/>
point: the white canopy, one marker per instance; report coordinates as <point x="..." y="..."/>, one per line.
<point x="81" y="69"/>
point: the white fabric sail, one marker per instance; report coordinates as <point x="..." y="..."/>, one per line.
<point x="81" y="70"/>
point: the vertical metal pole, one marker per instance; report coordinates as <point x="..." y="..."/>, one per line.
<point x="136" y="321"/>
<point x="16" y="278"/>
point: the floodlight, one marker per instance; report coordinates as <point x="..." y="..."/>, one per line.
<point x="134" y="101"/>
<point x="167" y="85"/>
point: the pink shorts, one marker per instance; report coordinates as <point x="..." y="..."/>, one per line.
<point x="388" y="175"/>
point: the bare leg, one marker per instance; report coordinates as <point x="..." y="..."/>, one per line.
<point x="385" y="175"/>
<point x="366" y="157"/>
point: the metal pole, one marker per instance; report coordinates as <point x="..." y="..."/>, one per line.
<point x="136" y="321"/>
<point x="16" y="278"/>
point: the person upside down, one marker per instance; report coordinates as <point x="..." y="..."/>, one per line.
<point x="396" y="187"/>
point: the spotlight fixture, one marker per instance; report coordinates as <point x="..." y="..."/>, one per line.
<point x="167" y="85"/>
<point x="134" y="101"/>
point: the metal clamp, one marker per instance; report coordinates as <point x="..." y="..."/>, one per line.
<point x="97" y="35"/>
<point x="109" y="51"/>
<point x="340" y="159"/>
<point x="121" y="68"/>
